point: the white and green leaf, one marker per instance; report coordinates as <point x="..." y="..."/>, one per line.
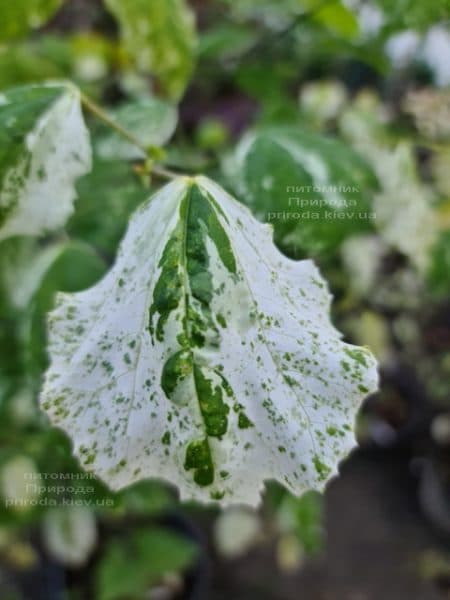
<point x="160" y="36"/>
<point x="44" y="148"/>
<point x="205" y="357"/>
<point x="403" y="205"/>
<point x="315" y="190"/>
<point x="406" y="218"/>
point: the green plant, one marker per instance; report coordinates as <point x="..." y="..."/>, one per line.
<point x="200" y="350"/>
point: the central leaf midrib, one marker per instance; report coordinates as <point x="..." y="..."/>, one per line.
<point x="187" y="329"/>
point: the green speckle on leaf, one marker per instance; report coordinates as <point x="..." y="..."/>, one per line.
<point x="198" y="457"/>
<point x="322" y="469"/>
<point x="243" y="421"/>
<point x="357" y="355"/>
<point x="176" y="369"/>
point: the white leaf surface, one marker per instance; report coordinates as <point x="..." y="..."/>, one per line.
<point x="205" y="357"/>
<point x="45" y="148"/>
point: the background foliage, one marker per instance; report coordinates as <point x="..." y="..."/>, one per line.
<point x="261" y="96"/>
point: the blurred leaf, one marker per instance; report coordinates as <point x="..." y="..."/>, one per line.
<point x="236" y="530"/>
<point x="362" y="258"/>
<point x="338" y="19"/>
<point x="268" y="87"/>
<point x="415" y="13"/>
<point x="26" y="266"/>
<point x="129" y="567"/>
<point x="438" y="275"/>
<point x="322" y="101"/>
<point x="44" y="148"/>
<point x="70" y="534"/>
<point x="211" y="134"/>
<point x="304" y="517"/>
<point x="23" y="63"/>
<point x="75" y="269"/>
<point x="430" y="110"/>
<point x="13" y="349"/>
<point x="30" y="274"/>
<point x="147" y="498"/>
<point x="18" y="16"/>
<point x="315" y="190"/>
<point x="405" y="215"/>
<point x="107" y="197"/>
<point x="279" y="14"/>
<point x="92" y="56"/>
<point x="160" y="36"/>
<point x="14" y="482"/>
<point x="83" y="57"/>
<point x="273" y="13"/>
<point x="23" y="265"/>
<point x="151" y="121"/>
<point x="224" y="41"/>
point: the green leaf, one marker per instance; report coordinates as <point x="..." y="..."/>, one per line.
<point x="44" y="148"/>
<point x="130" y="567"/>
<point x="414" y="13"/>
<point x="160" y="36"/>
<point x="150" y="120"/>
<point x="314" y="190"/>
<point x="18" y="16"/>
<point x="76" y="268"/>
<point x="24" y="63"/>
<point x="23" y="266"/>
<point x="438" y="274"/>
<point x="106" y="198"/>
<point x="303" y="516"/>
<point x="30" y="273"/>
<point x="204" y="357"/>
<point x="339" y="19"/>
<point x="277" y="14"/>
<point x="225" y="40"/>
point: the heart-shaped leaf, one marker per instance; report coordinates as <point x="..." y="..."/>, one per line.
<point x="205" y="357"/>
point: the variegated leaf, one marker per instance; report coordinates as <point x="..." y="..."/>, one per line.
<point x="205" y="357"/>
<point x="315" y="190"/>
<point x="161" y="38"/>
<point x="44" y="148"/>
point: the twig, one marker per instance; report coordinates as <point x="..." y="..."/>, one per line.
<point x="101" y="114"/>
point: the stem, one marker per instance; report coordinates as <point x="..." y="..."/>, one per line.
<point x="101" y="114"/>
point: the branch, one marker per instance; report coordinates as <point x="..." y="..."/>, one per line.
<point x="101" y="114"/>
